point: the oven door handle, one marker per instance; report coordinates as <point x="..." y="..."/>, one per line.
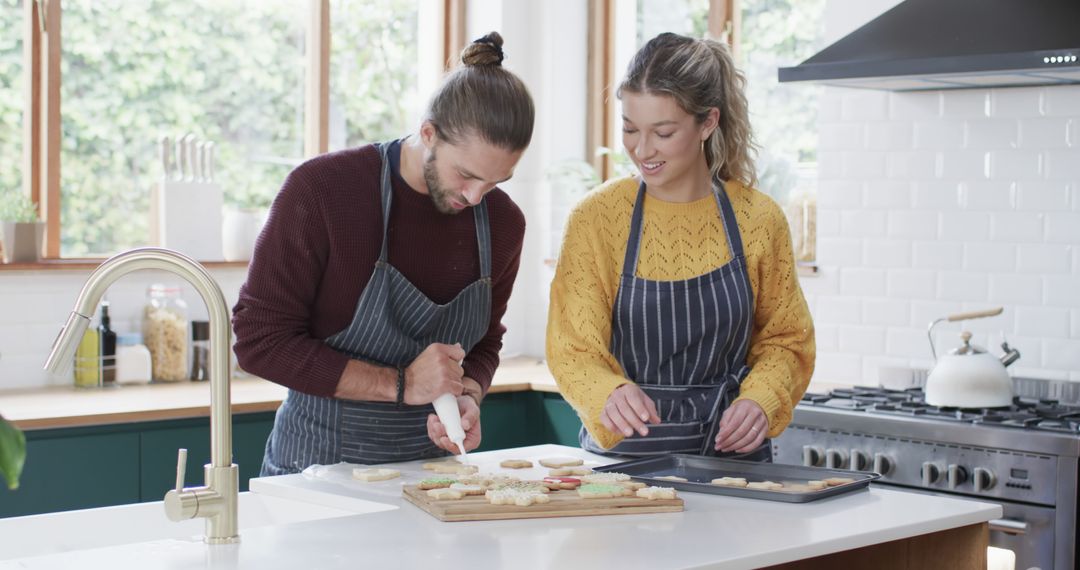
<point x="1008" y="526"/>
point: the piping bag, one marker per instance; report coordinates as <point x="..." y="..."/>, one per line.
<point x="447" y="409"/>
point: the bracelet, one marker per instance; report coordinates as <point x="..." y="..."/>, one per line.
<point x="400" y="387"/>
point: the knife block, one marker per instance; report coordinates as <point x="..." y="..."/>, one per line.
<point x="186" y="216"/>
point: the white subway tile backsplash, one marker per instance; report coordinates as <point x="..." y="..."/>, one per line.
<point x="913" y="224"/>
<point x="864" y="105"/>
<point x="839" y="194"/>
<point x="1061" y="354"/>
<point x="966" y="103"/>
<point x="1042" y="195"/>
<point x="862" y="340"/>
<point x="1044" y="133"/>
<point x="862" y="282"/>
<point x="936" y="195"/>
<point x="888" y="254"/>
<point x="1015" y="164"/>
<point x="1018" y="102"/>
<point x="1016" y="227"/>
<point x="1062" y="100"/>
<point x="825" y="282"/>
<point x="1043" y="258"/>
<point x="864" y="165"/>
<point x="939" y="134"/>
<point x="830" y="164"/>
<point x="925" y="312"/>
<point x="964" y="165"/>
<point x="989" y="257"/>
<point x="886" y="312"/>
<point x="1063" y="227"/>
<point x="839" y="251"/>
<point x="992" y="134"/>
<point x="1075" y="328"/>
<point x="889" y="136"/>
<point x="1013" y="289"/>
<point x="872" y="366"/>
<point x="826" y="337"/>
<point x="964" y="226"/>
<point x="839" y="310"/>
<point x="841" y="136"/>
<point x="910" y="283"/>
<point x="828" y="223"/>
<point x="914" y="105"/>
<point x="1062" y="290"/>
<point x="830" y="103"/>
<point x="906" y="343"/>
<point x="887" y="194"/>
<point x="862" y="223"/>
<point x="838" y="367"/>
<point x="1042" y="322"/>
<point x="912" y="165"/>
<point x="937" y="255"/>
<point x="1063" y="164"/>
<point x="986" y="195"/>
<point x="963" y="286"/>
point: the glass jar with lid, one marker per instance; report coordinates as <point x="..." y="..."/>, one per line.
<point x="166" y="330"/>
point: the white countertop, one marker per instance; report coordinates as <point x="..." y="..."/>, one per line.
<point x="713" y="532"/>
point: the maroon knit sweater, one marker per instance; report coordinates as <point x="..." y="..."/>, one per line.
<point x="319" y="247"/>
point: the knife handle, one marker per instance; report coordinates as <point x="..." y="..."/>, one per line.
<point x="189" y="157"/>
<point x="197" y="162"/>
<point x="179" y="152"/>
<point x="165" y="150"/>
<point x="208" y="161"/>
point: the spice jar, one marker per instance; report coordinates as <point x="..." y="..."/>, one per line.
<point x="200" y="350"/>
<point x="166" y="332"/>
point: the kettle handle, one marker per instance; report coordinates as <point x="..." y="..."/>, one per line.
<point x="959" y="317"/>
<point x="975" y="315"/>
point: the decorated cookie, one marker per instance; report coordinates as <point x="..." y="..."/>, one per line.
<point x="602" y="491"/>
<point x="445" y="494"/>
<point x="520" y="497"/>
<point x="436" y="482"/>
<point x="466" y="489"/>
<point x="654" y="493"/>
<point x="730" y="482"/>
<point x="605" y="478"/>
<point x="516" y="464"/>
<point x="556" y="462"/>
<point x="632" y="485"/>
<point x="370" y="475"/>
<point x="569" y="471"/>
<point x="562" y="482"/>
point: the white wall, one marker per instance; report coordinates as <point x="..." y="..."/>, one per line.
<point x="933" y="203"/>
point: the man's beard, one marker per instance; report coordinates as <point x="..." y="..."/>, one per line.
<point x="439" y="196"/>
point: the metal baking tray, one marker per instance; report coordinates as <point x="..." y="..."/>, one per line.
<point x="700" y="471"/>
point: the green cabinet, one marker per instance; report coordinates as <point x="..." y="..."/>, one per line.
<point x="516" y="419"/>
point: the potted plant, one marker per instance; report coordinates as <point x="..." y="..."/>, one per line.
<point x="21" y="230"/>
<point x="12" y="453"/>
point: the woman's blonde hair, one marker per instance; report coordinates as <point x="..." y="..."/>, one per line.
<point x="482" y="97"/>
<point x="700" y="75"/>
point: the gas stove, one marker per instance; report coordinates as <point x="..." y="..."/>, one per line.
<point x="1024" y="456"/>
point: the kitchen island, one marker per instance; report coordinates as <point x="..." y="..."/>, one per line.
<point x="876" y="527"/>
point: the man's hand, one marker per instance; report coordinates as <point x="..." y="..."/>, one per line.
<point x="435" y="372"/>
<point x="470" y="422"/>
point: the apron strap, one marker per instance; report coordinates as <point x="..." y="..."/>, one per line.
<point x="387" y="195"/>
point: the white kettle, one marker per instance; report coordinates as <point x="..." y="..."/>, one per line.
<point x="970" y="377"/>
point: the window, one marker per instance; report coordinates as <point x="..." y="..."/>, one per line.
<point x="258" y="78"/>
<point x="774" y="34"/>
<point x="373" y="80"/>
<point x="11" y="96"/>
<point x="227" y="72"/>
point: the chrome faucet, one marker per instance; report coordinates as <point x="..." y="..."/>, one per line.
<point x="217" y="499"/>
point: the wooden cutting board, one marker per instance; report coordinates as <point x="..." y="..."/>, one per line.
<point x="563" y="504"/>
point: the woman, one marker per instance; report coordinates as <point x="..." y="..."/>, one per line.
<point x="381" y="277"/>
<point x="677" y="323"/>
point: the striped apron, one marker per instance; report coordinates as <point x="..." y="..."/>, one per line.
<point x="393" y="323"/>
<point x="684" y="343"/>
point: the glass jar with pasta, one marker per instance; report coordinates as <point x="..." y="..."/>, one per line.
<point x="166" y="330"/>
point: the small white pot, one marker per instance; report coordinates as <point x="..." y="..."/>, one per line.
<point x="22" y="241"/>
<point x="239" y="231"/>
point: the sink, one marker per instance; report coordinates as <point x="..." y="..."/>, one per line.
<point x="53" y="533"/>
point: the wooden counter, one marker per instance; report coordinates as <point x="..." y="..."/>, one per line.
<point x="67" y="406"/>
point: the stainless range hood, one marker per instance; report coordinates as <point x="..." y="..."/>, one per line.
<point x="954" y="44"/>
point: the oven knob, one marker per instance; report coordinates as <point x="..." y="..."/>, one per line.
<point x="883" y="464"/>
<point x="957" y="476"/>
<point x="835" y="459"/>
<point x="812" y="456"/>
<point x="930" y="473"/>
<point x="983" y="479"/>
<point x="859" y="460"/>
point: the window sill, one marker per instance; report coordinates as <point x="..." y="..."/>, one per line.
<point x="91" y="263"/>
<point x="808" y="269"/>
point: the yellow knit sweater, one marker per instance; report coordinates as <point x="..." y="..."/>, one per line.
<point x="679" y="241"/>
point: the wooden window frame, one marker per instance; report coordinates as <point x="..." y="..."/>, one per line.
<point x="724" y="24"/>
<point x="42" y="35"/>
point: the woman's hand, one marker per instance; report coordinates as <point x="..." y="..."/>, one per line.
<point x="742" y="427"/>
<point x="627" y="410"/>
<point x="470" y="422"/>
